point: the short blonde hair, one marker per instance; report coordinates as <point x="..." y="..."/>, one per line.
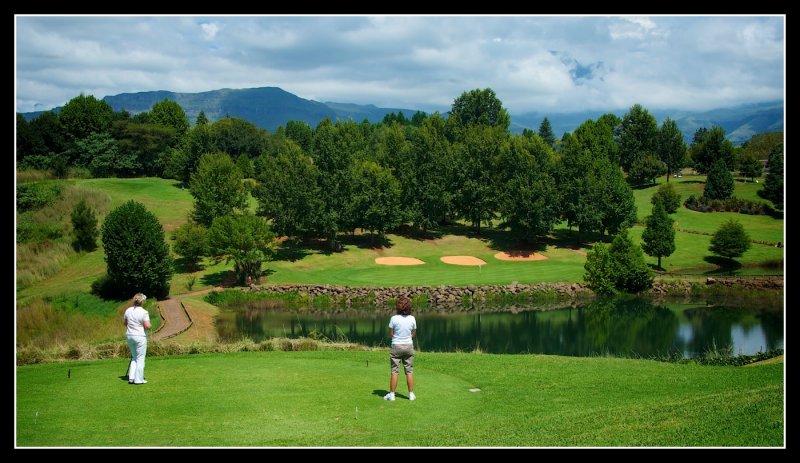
<point x="139" y="299"/>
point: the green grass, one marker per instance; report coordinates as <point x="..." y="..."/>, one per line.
<point x="334" y="399"/>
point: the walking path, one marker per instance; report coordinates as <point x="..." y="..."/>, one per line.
<point x="176" y="320"/>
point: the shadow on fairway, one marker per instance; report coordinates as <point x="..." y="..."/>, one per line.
<point x="382" y="392"/>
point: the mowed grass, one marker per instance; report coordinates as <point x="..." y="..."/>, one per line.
<point x="335" y="399"/>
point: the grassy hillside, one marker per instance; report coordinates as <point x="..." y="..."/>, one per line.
<point x="335" y="399"/>
<point x="356" y="265"/>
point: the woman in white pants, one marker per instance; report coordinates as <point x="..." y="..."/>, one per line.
<point x="137" y="320"/>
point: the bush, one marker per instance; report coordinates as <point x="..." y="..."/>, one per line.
<point x="32" y="196"/>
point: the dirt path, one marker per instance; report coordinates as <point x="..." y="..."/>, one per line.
<point x="175" y="318"/>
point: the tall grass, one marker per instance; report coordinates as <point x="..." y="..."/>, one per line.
<point x="33" y="175"/>
<point x="74" y="319"/>
<point x="51" y="225"/>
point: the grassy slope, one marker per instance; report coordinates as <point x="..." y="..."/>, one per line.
<point x="334" y="399"/>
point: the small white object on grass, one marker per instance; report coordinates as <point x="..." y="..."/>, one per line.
<point x="475" y="389"/>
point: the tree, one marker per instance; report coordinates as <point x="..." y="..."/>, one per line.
<point x="480" y="107"/>
<point x="719" y="183"/>
<point x="546" y="132"/>
<point x="709" y="147"/>
<point x="191" y="242"/>
<point x="200" y="141"/>
<point x="598" y="139"/>
<point x="169" y="113"/>
<point x="528" y="194"/>
<point x="137" y="257"/>
<point x="730" y="241"/>
<point x="244" y="239"/>
<point x="773" y="184"/>
<point x="429" y="198"/>
<point x="750" y="165"/>
<point x="638" y="136"/>
<point x="142" y="146"/>
<point x="100" y="153"/>
<point x="475" y="158"/>
<point x="376" y="197"/>
<point x="598" y="266"/>
<point x="235" y="136"/>
<point x="217" y="188"/>
<point x="628" y="266"/>
<point x="288" y="192"/>
<point x="301" y="133"/>
<point x="610" y="197"/>
<point x="658" y="238"/>
<point x="245" y="166"/>
<point x="646" y="169"/>
<point x="84" y="115"/>
<point x="201" y="118"/>
<point x="671" y="149"/>
<point x="84" y="226"/>
<point x="669" y="199"/>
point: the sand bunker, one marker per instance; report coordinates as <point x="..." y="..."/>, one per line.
<point x="398" y="261"/>
<point x="519" y="255"/>
<point x="462" y="260"/>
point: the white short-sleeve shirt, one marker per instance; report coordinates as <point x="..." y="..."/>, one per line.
<point x="402" y="326"/>
<point x="135" y="318"/>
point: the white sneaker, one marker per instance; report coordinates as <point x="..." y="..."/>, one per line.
<point x="411" y="396"/>
<point x="144" y="381"/>
<point x="389" y="396"/>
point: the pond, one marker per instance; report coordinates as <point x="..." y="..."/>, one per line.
<point x="632" y="327"/>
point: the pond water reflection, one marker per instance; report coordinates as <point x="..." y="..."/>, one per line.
<point x="629" y="327"/>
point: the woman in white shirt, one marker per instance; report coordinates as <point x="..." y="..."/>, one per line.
<point x="137" y="320"/>
<point x="402" y="329"/>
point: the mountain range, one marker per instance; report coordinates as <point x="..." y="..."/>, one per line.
<point x="270" y="107"/>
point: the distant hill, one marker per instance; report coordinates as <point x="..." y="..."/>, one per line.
<point x="269" y="107"/>
<point x="370" y="112"/>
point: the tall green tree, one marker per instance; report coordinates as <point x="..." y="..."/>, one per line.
<point x="719" y="183"/>
<point x="671" y="148"/>
<point x="244" y="239"/>
<point x="375" y="198"/>
<point x="598" y="139"/>
<point x="669" y="199"/>
<point x="730" y="241"/>
<point x="611" y="206"/>
<point x="137" y="256"/>
<point x="479" y="107"/>
<point x="773" y="183"/>
<point x="628" y="266"/>
<point x="201" y="118"/>
<point x="200" y="141"/>
<point x="301" y="133"/>
<point x="170" y="114"/>
<point x="475" y="156"/>
<point x="429" y="198"/>
<point x="191" y="242"/>
<point x="710" y="146"/>
<point x="658" y="238"/>
<point x="84" y="115"/>
<point x="646" y="169"/>
<point x="84" y="226"/>
<point x="236" y="136"/>
<point x="638" y="136"/>
<point x="217" y="188"/>
<point x="528" y="198"/>
<point x="750" y="165"/>
<point x="142" y="146"/>
<point x="288" y="191"/>
<point x="546" y="132"/>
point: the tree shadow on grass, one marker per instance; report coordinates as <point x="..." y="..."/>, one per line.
<point x="407" y="231"/>
<point x="366" y="241"/>
<point x="725" y="265"/>
<point x="291" y="252"/>
<point x="221" y="278"/>
<point x="184" y="265"/>
<point x="690" y="181"/>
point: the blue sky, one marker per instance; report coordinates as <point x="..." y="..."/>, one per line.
<point x="533" y="63"/>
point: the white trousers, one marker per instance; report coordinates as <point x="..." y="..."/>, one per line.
<point x="138" y="347"/>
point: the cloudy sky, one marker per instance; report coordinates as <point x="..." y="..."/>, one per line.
<point x="544" y="64"/>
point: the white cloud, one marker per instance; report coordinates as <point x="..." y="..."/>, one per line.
<point x="550" y="64"/>
<point x="209" y="30"/>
